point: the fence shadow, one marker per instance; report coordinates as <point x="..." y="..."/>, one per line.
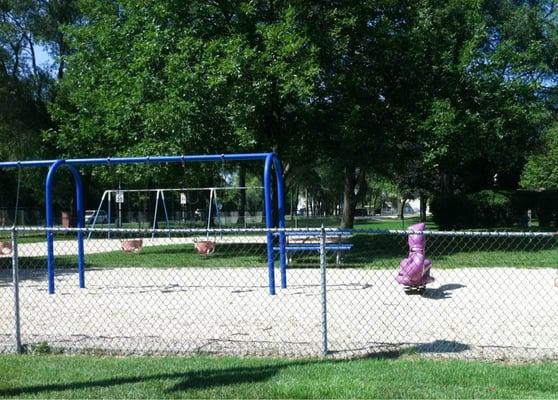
<point x="393" y="351"/>
<point x="201" y="379"/>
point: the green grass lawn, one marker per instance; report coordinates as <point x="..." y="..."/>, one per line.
<point x="369" y="252"/>
<point x="32" y="376"/>
<point x="371" y="223"/>
<point x="359" y="223"/>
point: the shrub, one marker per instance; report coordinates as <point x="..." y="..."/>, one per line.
<point x="485" y="209"/>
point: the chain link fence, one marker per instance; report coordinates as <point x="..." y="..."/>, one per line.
<point x="495" y="295"/>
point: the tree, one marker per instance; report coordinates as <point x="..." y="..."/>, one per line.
<point x="23" y="93"/>
<point x="211" y="77"/>
<point x="482" y="107"/>
<point x="541" y="170"/>
<point x="361" y="49"/>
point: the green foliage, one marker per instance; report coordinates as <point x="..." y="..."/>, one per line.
<point x="420" y="92"/>
<point x="485" y="209"/>
<point x="162" y="78"/>
<point x="481" y="88"/>
<point x="41" y="348"/>
<point x="541" y="170"/>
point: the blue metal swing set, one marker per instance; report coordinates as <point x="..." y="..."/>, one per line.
<point x="271" y="163"/>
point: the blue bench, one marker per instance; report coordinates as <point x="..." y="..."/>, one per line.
<point x="317" y="233"/>
<point x="339" y="248"/>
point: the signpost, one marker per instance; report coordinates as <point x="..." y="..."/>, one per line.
<point x="119" y="201"/>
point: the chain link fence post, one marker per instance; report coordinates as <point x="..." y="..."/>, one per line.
<point x="323" y="289"/>
<point x="15" y="281"/>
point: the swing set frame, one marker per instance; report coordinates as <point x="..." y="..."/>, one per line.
<point x="108" y="196"/>
<point x="271" y="161"/>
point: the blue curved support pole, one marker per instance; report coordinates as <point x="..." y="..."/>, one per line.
<point x="281" y="217"/>
<point x="50" y="222"/>
<point x="80" y="213"/>
<point x="269" y="221"/>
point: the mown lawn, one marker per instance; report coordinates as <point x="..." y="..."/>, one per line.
<point x="368" y="252"/>
<point x="42" y="376"/>
<point x="371" y="250"/>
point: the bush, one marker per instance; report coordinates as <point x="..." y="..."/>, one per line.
<point x="485" y="209"/>
<point x="543" y="204"/>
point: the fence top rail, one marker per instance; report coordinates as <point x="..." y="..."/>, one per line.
<point x="286" y="231"/>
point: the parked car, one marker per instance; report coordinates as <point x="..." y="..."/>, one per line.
<point x="102" y="217"/>
<point x="361" y="212"/>
<point x="408" y="209"/>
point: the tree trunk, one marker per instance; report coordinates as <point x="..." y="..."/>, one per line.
<point x="61" y="55"/>
<point x="402" y="208"/>
<point x="295" y="208"/>
<point x="446" y="185"/>
<point x="15" y="67"/>
<point x="350" y="198"/>
<point x="423" y="200"/>
<point x="349" y="202"/>
<point x="242" y="205"/>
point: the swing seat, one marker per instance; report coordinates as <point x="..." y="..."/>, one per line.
<point x="204" y="247"/>
<point x="132" y="245"/>
<point x="5" y="248"/>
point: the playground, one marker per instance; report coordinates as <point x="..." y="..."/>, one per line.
<point x="167" y="290"/>
<point x="465" y="314"/>
<point x="279" y="199"/>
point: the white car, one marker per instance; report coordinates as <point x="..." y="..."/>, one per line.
<point x="102" y="218"/>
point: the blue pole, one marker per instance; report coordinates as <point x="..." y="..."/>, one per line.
<point x="169" y="159"/>
<point x="80" y="214"/>
<point x="281" y="217"/>
<point x="50" y="222"/>
<point x="269" y="222"/>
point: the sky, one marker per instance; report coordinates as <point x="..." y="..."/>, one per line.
<point x="42" y="56"/>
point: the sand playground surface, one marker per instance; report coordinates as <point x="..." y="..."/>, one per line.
<point x="479" y="313"/>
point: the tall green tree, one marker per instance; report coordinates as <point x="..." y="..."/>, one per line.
<point x="165" y="77"/>
<point x="483" y="67"/>
<point x="362" y="53"/>
<point x="383" y="86"/>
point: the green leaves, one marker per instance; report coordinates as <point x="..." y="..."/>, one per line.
<point x="541" y="170"/>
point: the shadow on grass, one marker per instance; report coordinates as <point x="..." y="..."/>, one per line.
<point x="202" y="379"/>
<point x="220" y="377"/>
